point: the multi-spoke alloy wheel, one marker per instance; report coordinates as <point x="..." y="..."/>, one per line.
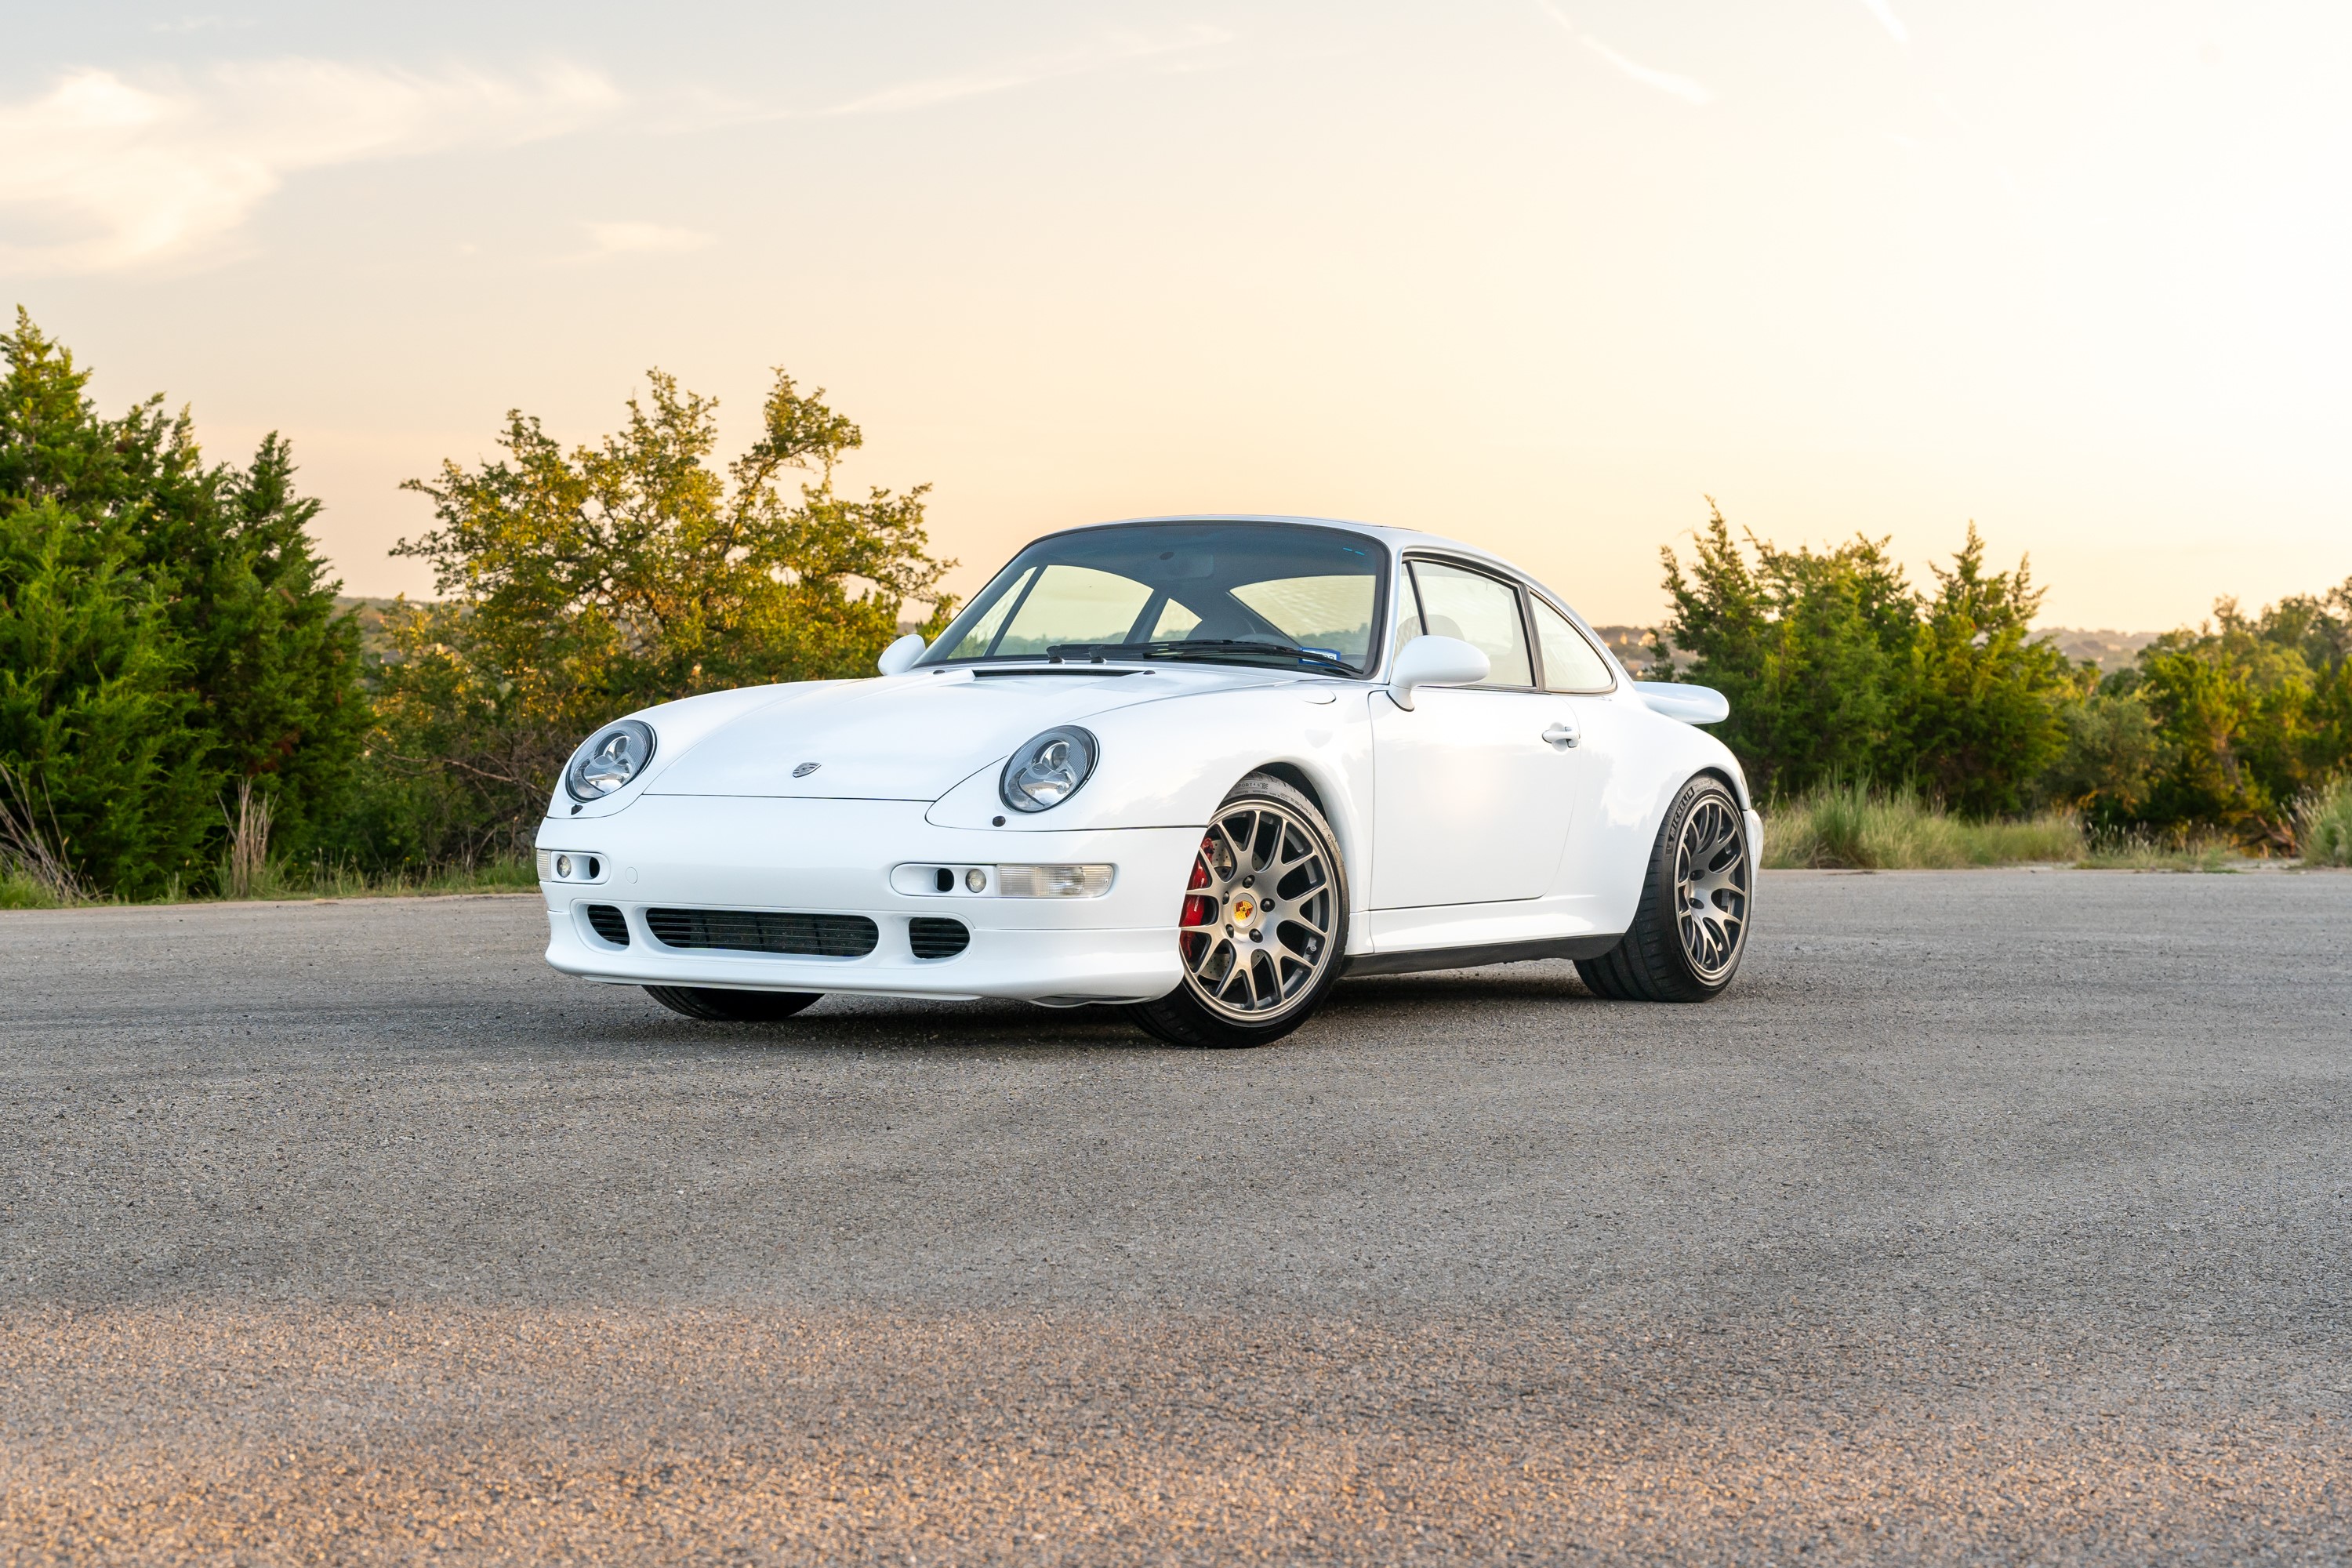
<point x="1711" y="885"/>
<point x="1691" y="924"/>
<point x="1263" y="922"/>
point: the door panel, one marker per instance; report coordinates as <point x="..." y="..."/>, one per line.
<point x="1471" y="804"/>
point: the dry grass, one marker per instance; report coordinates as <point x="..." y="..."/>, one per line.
<point x="323" y="880"/>
<point x="2150" y="852"/>
<point x="248" y="841"/>
<point x="1850" y="827"/>
<point x="2323" y="825"/>
<point x="34" y="871"/>
<point x="277" y="881"/>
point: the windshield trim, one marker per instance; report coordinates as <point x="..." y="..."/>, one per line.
<point x="1383" y="557"/>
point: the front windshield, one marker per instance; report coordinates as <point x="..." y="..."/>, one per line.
<point x="1290" y="594"/>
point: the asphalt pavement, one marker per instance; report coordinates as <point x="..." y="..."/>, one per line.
<point x="1990" y="1216"/>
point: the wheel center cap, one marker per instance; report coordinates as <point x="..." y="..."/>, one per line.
<point x="1243" y="907"/>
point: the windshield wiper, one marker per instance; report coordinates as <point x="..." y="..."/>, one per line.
<point x="1191" y="648"/>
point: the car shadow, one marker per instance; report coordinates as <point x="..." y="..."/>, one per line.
<point x="628" y="1025"/>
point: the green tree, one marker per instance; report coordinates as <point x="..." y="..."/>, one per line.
<point x="1982" y="704"/>
<point x="95" y="717"/>
<point x="2251" y="711"/>
<point x="582" y="584"/>
<point x="1837" y="670"/>
<point x="1808" y="647"/>
<point x="215" y="581"/>
<point x="2106" y="760"/>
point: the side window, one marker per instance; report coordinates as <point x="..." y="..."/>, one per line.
<point x="1482" y="612"/>
<point x="1568" y="662"/>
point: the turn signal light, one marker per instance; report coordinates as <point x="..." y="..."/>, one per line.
<point x="1052" y="881"/>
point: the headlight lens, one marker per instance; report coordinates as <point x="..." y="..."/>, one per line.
<point x="1049" y="769"/>
<point x="612" y="756"/>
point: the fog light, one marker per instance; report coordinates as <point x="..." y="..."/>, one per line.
<point x="976" y="880"/>
<point x="563" y="865"/>
<point x="1052" y="881"/>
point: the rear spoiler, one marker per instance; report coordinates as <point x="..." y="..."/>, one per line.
<point x="1691" y="704"/>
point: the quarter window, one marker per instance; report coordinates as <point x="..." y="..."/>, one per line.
<point x="1570" y="663"/>
<point x="1480" y="611"/>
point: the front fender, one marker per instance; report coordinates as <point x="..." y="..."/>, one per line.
<point x="1170" y="763"/>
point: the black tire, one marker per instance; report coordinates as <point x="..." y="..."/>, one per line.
<point x="716" y="1007"/>
<point x="1279" y="970"/>
<point x="1691" y="925"/>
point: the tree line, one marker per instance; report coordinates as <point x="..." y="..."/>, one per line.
<point x="1838" y="670"/>
<point x="176" y="681"/>
<point x="182" y="701"/>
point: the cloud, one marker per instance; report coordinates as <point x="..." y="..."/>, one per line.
<point x="1681" y="87"/>
<point x="1889" y="20"/>
<point x="637" y="238"/>
<point x="117" y="174"/>
<point x="930" y="91"/>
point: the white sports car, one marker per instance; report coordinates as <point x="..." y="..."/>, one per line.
<point x="1199" y="768"/>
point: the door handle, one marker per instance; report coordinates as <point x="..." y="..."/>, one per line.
<point x="1562" y="736"/>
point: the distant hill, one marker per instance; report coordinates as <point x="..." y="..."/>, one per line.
<point x="371" y="618"/>
<point x="2109" y="649"/>
<point x="1631" y="646"/>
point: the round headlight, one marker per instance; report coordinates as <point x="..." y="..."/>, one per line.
<point x="612" y="756"/>
<point x="1049" y="769"/>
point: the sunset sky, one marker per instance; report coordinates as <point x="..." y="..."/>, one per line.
<point x="1541" y="274"/>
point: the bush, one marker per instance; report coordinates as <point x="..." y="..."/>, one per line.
<point x="2107" y="758"/>
<point x="2251" y="713"/>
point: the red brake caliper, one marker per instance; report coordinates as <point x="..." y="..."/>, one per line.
<point x="1199" y="909"/>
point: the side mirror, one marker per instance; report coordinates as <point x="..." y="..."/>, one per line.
<point x="1435" y="661"/>
<point x="900" y="655"/>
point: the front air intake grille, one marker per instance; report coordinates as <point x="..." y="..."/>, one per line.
<point x="610" y="923"/>
<point x="937" y="937"/>
<point x="758" y="930"/>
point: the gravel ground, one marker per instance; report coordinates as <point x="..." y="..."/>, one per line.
<point x="1992" y="1217"/>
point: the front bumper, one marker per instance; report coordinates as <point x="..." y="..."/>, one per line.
<point x="835" y="857"/>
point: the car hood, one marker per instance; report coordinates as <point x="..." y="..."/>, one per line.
<point x="911" y="737"/>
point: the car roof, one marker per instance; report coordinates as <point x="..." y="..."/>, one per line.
<point x="1399" y="539"/>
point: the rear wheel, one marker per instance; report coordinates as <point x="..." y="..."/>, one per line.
<point x="718" y="1006"/>
<point x="1264" y="916"/>
<point x="1691" y="925"/>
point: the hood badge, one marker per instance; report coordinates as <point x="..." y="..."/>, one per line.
<point x="805" y="769"/>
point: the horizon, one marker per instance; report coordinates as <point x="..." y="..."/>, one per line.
<point x="1535" y="276"/>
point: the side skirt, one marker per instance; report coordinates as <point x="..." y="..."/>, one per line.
<point x="1479" y="955"/>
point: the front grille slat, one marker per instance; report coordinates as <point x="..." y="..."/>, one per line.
<point x="765" y="931"/>
<point x="935" y="938"/>
<point x="610" y="923"/>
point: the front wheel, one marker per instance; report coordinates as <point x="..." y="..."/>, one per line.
<point x="1265" y="918"/>
<point x="716" y="1007"/>
<point x="1691" y="925"/>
